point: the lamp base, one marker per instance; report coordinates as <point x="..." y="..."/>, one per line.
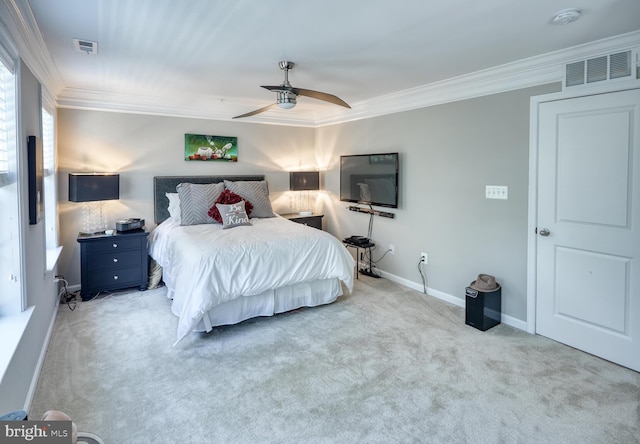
<point x="92" y="233"/>
<point x="305" y="213"/>
<point x="93" y="221"/>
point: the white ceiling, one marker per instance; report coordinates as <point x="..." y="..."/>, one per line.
<point x="209" y="57"/>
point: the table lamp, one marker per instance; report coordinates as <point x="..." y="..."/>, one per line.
<point x="304" y="181"/>
<point x="92" y="189"/>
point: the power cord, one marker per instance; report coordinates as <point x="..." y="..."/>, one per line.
<point x="66" y="297"/>
<point x="381" y="257"/>
<point x="365" y="262"/>
<point x="102" y="296"/>
<point x="422" y="275"/>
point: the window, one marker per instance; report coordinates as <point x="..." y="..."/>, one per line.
<point x="50" y="195"/>
<point x="10" y="284"/>
<point x="5" y="76"/>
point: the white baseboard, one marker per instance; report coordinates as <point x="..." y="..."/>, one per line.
<point x="455" y="300"/>
<point x="40" y="363"/>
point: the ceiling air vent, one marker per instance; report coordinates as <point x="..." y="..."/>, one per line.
<point x="86" y="46"/>
<point x="599" y="69"/>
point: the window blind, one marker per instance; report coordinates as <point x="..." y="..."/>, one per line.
<point x="48" y="158"/>
<point x="50" y="195"/>
<point x="4" y="133"/>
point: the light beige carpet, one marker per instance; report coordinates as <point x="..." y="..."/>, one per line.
<point x="384" y="365"/>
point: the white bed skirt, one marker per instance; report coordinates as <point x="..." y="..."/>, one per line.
<point x="305" y="294"/>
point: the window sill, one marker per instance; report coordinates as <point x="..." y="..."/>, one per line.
<point x="12" y="328"/>
<point x="53" y="254"/>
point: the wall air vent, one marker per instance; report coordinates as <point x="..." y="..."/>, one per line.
<point x="599" y="69"/>
<point x="86" y="46"/>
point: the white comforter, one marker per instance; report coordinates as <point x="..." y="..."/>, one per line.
<point x="205" y="265"/>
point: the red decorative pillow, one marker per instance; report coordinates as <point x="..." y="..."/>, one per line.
<point x="226" y="198"/>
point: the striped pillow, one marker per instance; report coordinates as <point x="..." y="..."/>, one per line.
<point x="255" y="192"/>
<point x="195" y="201"/>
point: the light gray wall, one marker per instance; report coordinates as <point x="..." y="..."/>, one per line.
<point x="40" y="288"/>
<point x="448" y="153"/>
<point x="142" y="146"/>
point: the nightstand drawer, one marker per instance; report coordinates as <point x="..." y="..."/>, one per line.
<point x="116" y="243"/>
<point x="315" y="222"/>
<point x="117" y="278"/>
<point x="116" y="259"/>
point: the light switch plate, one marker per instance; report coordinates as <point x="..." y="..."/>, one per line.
<point x="496" y="192"/>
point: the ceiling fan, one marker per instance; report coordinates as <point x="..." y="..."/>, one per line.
<point x="287" y="94"/>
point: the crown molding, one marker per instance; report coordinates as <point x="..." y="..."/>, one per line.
<point x="74" y="98"/>
<point x="8" y="49"/>
<point x="533" y="71"/>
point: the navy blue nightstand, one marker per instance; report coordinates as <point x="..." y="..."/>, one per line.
<point x="113" y="262"/>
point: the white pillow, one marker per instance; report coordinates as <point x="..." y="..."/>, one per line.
<point x="174" y="206"/>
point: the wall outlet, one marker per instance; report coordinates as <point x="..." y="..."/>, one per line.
<point x="424" y="258"/>
<point x="392" y="249"/>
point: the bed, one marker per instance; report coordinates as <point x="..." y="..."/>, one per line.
<point x="217" y="276"/>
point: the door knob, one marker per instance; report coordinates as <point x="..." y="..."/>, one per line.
<point x="544" y="232"/>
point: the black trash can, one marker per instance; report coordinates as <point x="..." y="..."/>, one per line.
<point x="483" y="302"/>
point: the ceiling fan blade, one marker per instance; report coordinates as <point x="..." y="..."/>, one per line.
<point x="287" y="94"/>
<point x="320" y="96"/>
<point x="257" y="111"/>
<point x="279" y="88"/>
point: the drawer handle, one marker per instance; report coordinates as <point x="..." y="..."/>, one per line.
<point x="115" y="278"/>
<point x="115" y="245"/>
<point x="115" y="259"/>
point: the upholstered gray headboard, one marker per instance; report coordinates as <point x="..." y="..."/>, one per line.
<point x="168" y="184"/>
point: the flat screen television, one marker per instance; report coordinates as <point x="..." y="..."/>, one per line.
<point x="370" y="179"/>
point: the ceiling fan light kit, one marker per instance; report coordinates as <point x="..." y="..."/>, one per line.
<point x="286" y="100"/>
<point x="287" y="95"/>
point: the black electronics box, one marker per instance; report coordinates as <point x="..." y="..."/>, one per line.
<point x="129" y="224"/>
<point x="483" y="308"/>
<point x="357" y="240"/>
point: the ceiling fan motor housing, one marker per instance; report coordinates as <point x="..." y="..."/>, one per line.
<point x="286" y="99"/>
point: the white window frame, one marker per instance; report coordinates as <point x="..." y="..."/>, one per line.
<point x="12" y="300"/>
<point x="50" y="183"/>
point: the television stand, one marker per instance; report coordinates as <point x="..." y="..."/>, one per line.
<point x="368" y="272"/>
<point x="367" y="246"/>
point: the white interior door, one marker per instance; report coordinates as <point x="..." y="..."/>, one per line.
<point x="588" y="243"/>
